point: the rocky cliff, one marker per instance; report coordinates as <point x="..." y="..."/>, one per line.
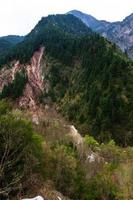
<point x="120" y="33"/>
<point x="34" y="86"/>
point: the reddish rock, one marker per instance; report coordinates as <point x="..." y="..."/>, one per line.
<point x="34" y="86"/>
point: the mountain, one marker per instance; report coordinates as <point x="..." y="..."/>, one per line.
<point x="13" y="39"/>
<point x="89" y="20"/>
<point x="9" y="41"/>
<point x="88" y="78"/>
<point x="120" y="33"/>
<point x="65" y="26"/>
<point x="62" y="73"/>
<point x="4" y="45"/>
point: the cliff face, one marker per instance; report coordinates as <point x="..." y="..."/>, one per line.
<point x="34" y="85"/>
<point x="120" y="33"/>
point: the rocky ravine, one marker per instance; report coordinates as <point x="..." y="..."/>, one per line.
<point x="34" y="86"/>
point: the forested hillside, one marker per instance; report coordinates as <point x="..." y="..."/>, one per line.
<point x="6" y="42"/>
<point x="92" y="80"/>
<point x="62" y="76"/>
<point x="119" y="32"/>
<point x="51" y="31"/>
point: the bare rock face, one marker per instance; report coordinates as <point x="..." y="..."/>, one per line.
<point x="35" y="198"/>
<point x="7" y="74"/>
<point x="120" y="33"/>
<point x="34" y="86"/>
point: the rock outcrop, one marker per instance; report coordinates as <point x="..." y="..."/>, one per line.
<point x="34" y="86"/>
<point x="120" y="33"/>
<point x="35" y="198"/>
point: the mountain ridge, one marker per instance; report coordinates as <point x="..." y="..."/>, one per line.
<point x="79" y="76"/>
<point x="7" y="42"/>
<point x="14" y="39"/>
<point x="120" y="32"/>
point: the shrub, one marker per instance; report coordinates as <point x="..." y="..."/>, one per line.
<point x="64" y="169"/>
<point x="15" y="89"/>
<point x="4" y="107"/>
<point x="91" y="142"/>
<point x="111" y="153"/>
<point x="101" y="187"/>
<point x="20" y="152"/>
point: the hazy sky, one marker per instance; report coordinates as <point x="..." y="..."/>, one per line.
<point x="20" y="16"/>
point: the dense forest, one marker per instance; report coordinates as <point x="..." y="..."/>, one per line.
<point x="7" y="42"/>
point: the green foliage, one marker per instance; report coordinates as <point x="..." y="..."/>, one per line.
<point x="101" y="187"/>
<point x="22" y="155"/>
<point x="58" y="77"/>
<point x="4" y="107"/>
<point x="4" y="45"/>
<point x="7" y="42"/>
<point x="68" y="175"/>
<point x="65" y="169"/>
<point x="59" y="29"/>
<point x="98" y="97"/>
<point x="91" y="142"/>
<point x="111" y="153"/>
<point x="20" y="151"/>
<point x="15" y="89"/>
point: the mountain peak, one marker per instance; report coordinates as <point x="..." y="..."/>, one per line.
<point x="120" y="33"/>
<point x="87" y="19"/>
<point x="78" y="12"/>
<point x="128" y="18"/>
<point x="66" y="23"/>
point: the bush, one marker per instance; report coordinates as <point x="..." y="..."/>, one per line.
<point x="4" y="107"/>
<point x="91" y="142"/>
<point x="101" y="187"/>
<point x="64" y="169"/>
<point x="15" y="89"/>
<point x="111" y="153"/>
<point x="20" y="152"/>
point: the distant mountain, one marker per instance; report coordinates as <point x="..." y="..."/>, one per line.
<point x="4" y="45"/>
<point x="9" y="41"/>
<point x="89" y="20"/>
<point x="120" y="33"/>
<point x="14" y="39"/>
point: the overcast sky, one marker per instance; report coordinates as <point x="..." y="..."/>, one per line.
<point x="20" y="16"/>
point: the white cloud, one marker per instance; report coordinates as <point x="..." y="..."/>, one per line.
<point x="20" y="16"/>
